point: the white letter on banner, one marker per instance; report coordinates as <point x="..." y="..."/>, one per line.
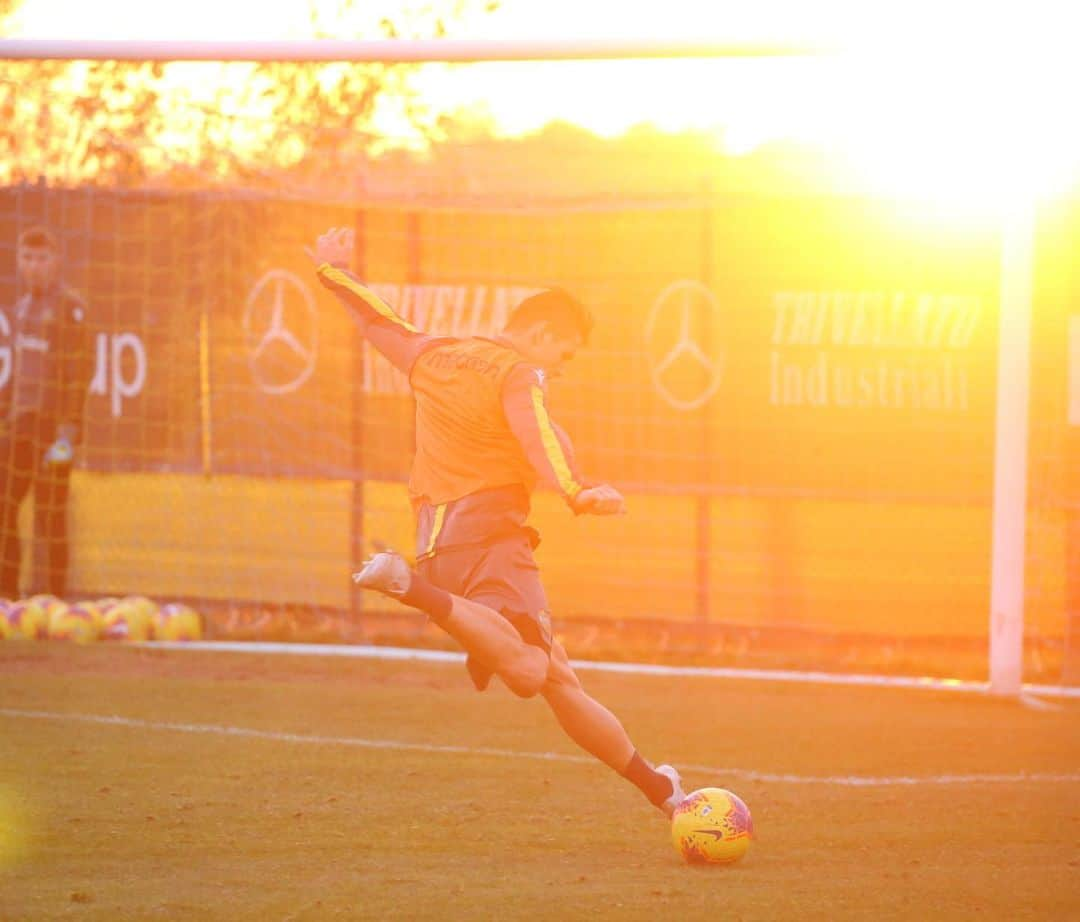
<point x="99" y="384"/>
<point x="120" y="387"/>
<point x="110" y="381"/>
<point x="5" y="351"/>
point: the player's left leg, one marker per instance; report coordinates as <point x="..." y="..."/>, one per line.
<point x="599" y="732"/>
<point x="586" y="721"/>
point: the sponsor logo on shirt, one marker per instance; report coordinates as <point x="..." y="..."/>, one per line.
<point x="463" y="361"/>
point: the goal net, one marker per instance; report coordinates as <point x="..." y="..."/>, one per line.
<point x="794" y="386"/>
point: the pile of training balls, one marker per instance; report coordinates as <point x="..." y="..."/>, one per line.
<point x="133" y="618"/>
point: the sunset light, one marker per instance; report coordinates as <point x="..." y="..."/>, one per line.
<point x="960" y="105"/>
<point x="539" y="459"/>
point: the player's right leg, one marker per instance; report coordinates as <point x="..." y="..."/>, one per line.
<point x="482" y="632"/>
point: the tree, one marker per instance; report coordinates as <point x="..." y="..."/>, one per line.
<point x="187" y="123"/>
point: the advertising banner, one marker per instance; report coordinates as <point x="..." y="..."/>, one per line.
<point x="797" y="393"/>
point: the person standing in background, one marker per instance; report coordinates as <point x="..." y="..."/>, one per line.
<point x="52" y="362"/>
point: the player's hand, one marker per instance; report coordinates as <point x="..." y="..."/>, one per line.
<point x="60" y="452"/>
<point x="334" y="247"/>
<point x="601" y="500"/>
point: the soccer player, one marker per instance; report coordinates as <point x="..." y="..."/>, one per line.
<point x="483" y="440"/>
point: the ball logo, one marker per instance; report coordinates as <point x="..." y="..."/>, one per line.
<point x="281" y="332"/>
<point x="685" y="366"/>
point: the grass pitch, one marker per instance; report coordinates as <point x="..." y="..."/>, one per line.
<point x="170" y="816"/>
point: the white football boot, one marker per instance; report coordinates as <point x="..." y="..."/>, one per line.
<point x="677" y="794"/>
<point x="385" y="572"/>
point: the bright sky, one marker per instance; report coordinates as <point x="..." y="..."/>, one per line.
<point x="970" y="101"/>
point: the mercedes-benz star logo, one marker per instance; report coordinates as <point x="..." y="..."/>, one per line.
<point x="684" y="373"/>
<point x="281" y="332"/>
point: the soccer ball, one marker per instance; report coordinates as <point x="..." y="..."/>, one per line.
<point x="27" y="620"/>
<point x="49" y="603"/>
<point x="177" y="622"/>
<point x="79" y="623"/>
<point x="147" y="607"/>
<point x="125" y="620"/>
<point x="711" y="826"/>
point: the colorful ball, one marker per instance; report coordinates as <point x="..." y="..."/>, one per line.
<point x="125" y="621"/>
<point x="177" y="622"/>
<point x="6" y="630"/>
<point x="78" y="623"/>
<point x="712" y="826"/>
<point x="104" y="606"/>
<point x="141" y="603"/>
<point x="54" y="607"/>
<point x="49" y="603"/>
<point x="27" y="620"/>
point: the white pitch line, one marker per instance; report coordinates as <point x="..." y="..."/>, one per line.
<point x="857" y="781"/>
<point x="367" y="651"/>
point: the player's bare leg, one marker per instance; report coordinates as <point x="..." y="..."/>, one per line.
<point x="527" y="670"/>
<point x="481" y="631"/>
<point x="586" y="721"/>
<point x="599" y="732"/>
<point x="491" y="639"/>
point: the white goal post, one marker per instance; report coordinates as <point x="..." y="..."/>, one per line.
<point x="397" y="51"/>
<point x="1017" y="245"/>
<point x="1011" y="451"/>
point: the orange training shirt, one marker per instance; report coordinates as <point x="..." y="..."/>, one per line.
<point x="464" y="442"/>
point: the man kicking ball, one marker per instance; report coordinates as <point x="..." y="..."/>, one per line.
<point x="483" y="440"/>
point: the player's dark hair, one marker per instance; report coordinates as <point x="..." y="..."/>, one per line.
<point x="39" y="237"/>
<point x="564" y="313"/>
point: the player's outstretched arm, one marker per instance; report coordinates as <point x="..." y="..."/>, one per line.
<point x="392" y="335"/>
<point x="548" y="448"/>
<point x="335" y="247"/>
<point x="331" y="255"/>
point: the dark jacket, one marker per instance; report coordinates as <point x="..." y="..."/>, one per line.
<point x="55" y="324"/>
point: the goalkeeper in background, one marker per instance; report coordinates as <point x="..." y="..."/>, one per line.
<point x="41" y="413"/>
<point x="483" y="441"/>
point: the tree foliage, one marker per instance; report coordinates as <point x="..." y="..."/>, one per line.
<point x="198" y="123"/>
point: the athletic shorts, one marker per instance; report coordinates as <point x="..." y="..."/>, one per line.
<point x="502" y="575"/>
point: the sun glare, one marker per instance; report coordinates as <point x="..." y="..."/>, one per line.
<point x="951" y="103"/>
<point x="974" y="132"/>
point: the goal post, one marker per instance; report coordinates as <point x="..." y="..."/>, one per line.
<point x="399" y="51"/>
<point x="1008" y="564"/>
